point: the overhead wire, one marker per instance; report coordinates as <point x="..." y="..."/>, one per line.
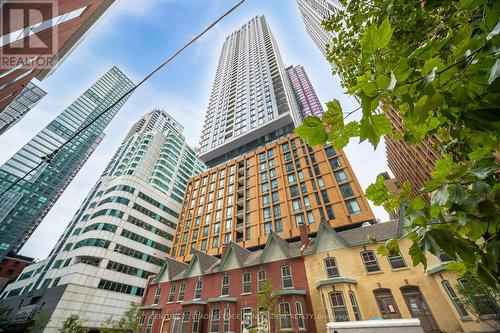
<point x="49" y="157"/>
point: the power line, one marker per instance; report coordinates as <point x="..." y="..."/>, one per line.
<point x="48" y="158"/>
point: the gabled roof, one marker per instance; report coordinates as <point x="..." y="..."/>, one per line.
<point x="274" y="241"/>
<point x="204" y="262"/>
<point x="326" y="239"/>
<point x="240" y="254"/>
<point x="169" y="270"/>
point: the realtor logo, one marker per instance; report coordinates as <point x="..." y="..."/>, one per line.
<point x="28" y="33"/>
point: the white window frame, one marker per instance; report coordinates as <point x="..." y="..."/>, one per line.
<point x="287" y="277"/>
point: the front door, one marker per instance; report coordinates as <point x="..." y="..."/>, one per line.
<point x="419" y="309"/>
<point x="386" y="304"/>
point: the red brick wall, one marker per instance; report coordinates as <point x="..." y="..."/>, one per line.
<point x="212" y="289"/>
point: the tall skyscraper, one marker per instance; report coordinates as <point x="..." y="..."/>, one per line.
<point x="314" y="12"/>
<point x="24" y="206"/>
<point x="307" y="99"/>
<point x="123" y="230"/>
<point x="34" y="45"/>
<point x="272" y="189"/>
<point x="251" y="102"/>
<point x="20" y="106"/>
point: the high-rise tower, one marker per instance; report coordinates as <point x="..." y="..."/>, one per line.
<point x="307" y="99"/>
<point x="314" y="12"/>
<point x="251" y="102"/>
<point x="20" y="106"/>
<point x="24" y="206"/>
<point x="123" y="230"/>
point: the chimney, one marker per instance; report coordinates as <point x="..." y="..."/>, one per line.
<point x="224" y="249"/>
<point x="304" y="237"/>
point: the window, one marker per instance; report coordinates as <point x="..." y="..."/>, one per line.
<point x="355" y="306"/>
<point x="268" y="227"/>
<point x="340" y="176"/>
<point x="335" y="163"/>
<point x="484" y="302"/>
<point x="346" y="190"/>
<point x="175" y="323"/>
<point x="171" y="293"/>
<point x="227" y="320"/>
<point x="265" y="200"/>
<point x="224" y="288"/>
<point x="286" y="277"/>
<point x="246" y="318"/>
<point x="396" y="261"/>
<point x="247" y="286"/>
<point x="454" y="299"/>
<point x="370" y="261"/>
<point x="182" y="290"/>
<point x="185" y="322"/>
<point x="353" y="206"/>
<point x="285" y="316"/>
<point x="297" y="205"/>
<point x="300" y="315"/>
<point x="294" y="191"/>
<point x="156" y="299"/>
<point x="149" y="326"/>
<point x="196" y="322"/>
<point x="331" y="268"/>
<point x="338" y="306"/>
<point x="197" y="289"/>
<point x="214" y="320"/>
<point x="261" y="280"/>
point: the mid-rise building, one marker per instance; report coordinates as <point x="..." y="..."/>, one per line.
<point x="122" y="232"/>
<point x="23" y="207"/>
<point x="20" y="106"/>
<point x="39" y="36"/>
<point x="313" y="13"/>
<point x="272" y="189"/>
<point x="307" y="99"/>
<point x="409" y="162"/>
<point x="251" y="102"/>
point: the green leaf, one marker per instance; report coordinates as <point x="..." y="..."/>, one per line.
<point x="440" y="198"/>
<point x="495" y="72"/>
<point x="456" y="193"/>
<point x="373" y="127"/>
<point x="377" y="192"/>
<point x="480" y="152"/>
<point x="375" y="38"/>
<point x="494" y="32"/>
<point x="416" y="205"/>
<point x="392" y="246"/>
<point x="467" y="4"/>
<point x="458" y="267"/>
<point x="432" y="64"/>
<point x="417" y="255"/>
<point x="382" y="250"/>
<point x="312" y="131"/>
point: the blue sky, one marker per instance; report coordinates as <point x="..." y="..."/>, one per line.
<point x="138" y="35"/>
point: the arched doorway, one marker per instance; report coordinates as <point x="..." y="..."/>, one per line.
<point x="386" y="303"/>
<point x="418" y="308"/>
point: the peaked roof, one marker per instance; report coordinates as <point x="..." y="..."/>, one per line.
<point x="324" y="236"/>
<point x="275" y="239"/>
<point x="204" y="260"/>
<point x="170" y="269"/>
<point x="239" y="252"/>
